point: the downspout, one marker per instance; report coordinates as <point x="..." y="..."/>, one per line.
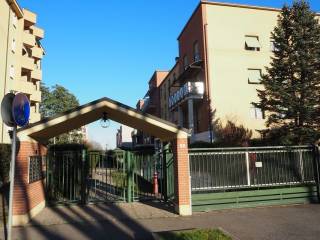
<point x="6" y="69"/>
<point x="207" y="76"/>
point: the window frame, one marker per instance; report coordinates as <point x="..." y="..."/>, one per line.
<point x="256" y="113"/>
<point x="254" y="69"/>
<point x="196" y="52"/>
<point x="252" y="48"/>
<point x="14" y="20"/>
<point x="13" y="45"/>
<point x="11" y="72"/>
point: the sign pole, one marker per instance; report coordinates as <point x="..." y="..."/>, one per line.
<point x="12" y="170"/>
<point x="15" y="111"/>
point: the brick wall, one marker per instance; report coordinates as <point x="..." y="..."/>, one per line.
<point x="181" y="171"/>
<point x="27" y="196"/>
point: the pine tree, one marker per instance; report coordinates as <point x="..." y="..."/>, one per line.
<point x="291" y="95"/>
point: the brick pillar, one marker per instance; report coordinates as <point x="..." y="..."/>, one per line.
<point x="28" y="199"/>
<point x="182" y="177"/>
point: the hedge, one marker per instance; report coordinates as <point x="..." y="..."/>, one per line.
<point x="5" y="157"/>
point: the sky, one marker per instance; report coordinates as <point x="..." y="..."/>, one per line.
<point x="110" y="48"/>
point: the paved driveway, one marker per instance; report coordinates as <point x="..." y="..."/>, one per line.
<point x="142" y="221"/>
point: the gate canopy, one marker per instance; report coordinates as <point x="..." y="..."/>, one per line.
<point x="48" y="128"/>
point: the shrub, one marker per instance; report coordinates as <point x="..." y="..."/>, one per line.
<point x="232" y="135"/>
<point x="5" y="158"/>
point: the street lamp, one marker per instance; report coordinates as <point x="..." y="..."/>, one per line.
<point x="104" y="121"/>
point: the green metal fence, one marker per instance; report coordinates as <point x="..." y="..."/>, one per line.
<point x="249" y="171"/>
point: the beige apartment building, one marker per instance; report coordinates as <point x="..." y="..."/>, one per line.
<point x="20" y="57"/>
<point x="223" y="51"/>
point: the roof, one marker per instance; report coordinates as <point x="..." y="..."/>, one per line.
<point x="47" y="128"/>
<point x="16" y="8"/>
<point x="208" y="2"/>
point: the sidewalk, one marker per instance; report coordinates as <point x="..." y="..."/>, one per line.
<point x="142" y="221"/>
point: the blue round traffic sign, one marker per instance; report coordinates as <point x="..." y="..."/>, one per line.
<point x="21" y="109"/>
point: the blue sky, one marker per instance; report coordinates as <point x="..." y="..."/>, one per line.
<point x="110" y="48"/>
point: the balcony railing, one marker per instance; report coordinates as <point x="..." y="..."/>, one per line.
<point x="24" y="86"/>
<point x="28" y="39"/>
<point x="38" y="32"/>
<point x="37" y="52"/>
<point x="27" y="62"/>
<point x="188" y="90"/>
<point x="36" y="74"/>
<point x="36" y="96"/>
<point x="35" y="117"/>
<point x="29" y="16"/>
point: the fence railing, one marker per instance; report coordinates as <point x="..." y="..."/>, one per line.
<point x="230" y="168"/>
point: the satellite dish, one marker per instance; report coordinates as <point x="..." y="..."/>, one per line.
<point x="6" y="109"/>
<point x="21" y="109"/>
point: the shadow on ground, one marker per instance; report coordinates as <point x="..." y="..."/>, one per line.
<point x="95" y="221"/>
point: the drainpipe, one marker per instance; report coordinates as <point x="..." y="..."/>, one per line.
<point x="6" y="69"/>
<point x="207" y="76"/>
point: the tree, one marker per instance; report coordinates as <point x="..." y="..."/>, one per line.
<point x="55" y="100"/>
<point x="291" y="93"/>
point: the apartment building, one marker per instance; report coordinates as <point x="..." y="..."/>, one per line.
<point x="150" y="104"/>
<point x="20" y="57"/>
<point x="223" y="51"/>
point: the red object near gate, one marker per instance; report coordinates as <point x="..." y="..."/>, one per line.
<point x="155" y="183"/>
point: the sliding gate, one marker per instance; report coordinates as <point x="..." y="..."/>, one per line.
<point x="85" y="177"/>
<point x="247" y="177"/>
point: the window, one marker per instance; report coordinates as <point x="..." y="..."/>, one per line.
<point x="13" y="45"/>
<point x="196" y="52"/>
<point x="185" y="62"/>
<point x="11" y="72"/>
<point x="35" y="169"/>
<point x="256" y="113"/>
<point x="252" y="43"/>
<point x="14" y="20"/>
<point x="254" y="76"/>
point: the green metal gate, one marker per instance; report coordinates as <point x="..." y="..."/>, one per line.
<point x="65" y="176"/>
<point x="81" y="177"/>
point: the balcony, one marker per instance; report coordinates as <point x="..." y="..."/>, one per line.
<point x="28" y="39"/>
<point x="29" y="17"/>
<point x="194" y="90"/>
<point x="37" y="52"/>
<point x="27" y="63"/>
<point x="36" y="74"/>
<point x="24" y="86"/>
<point x="37" y="32"/>
<point x="35" y="117"/>
<point x="35" y="96"/>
